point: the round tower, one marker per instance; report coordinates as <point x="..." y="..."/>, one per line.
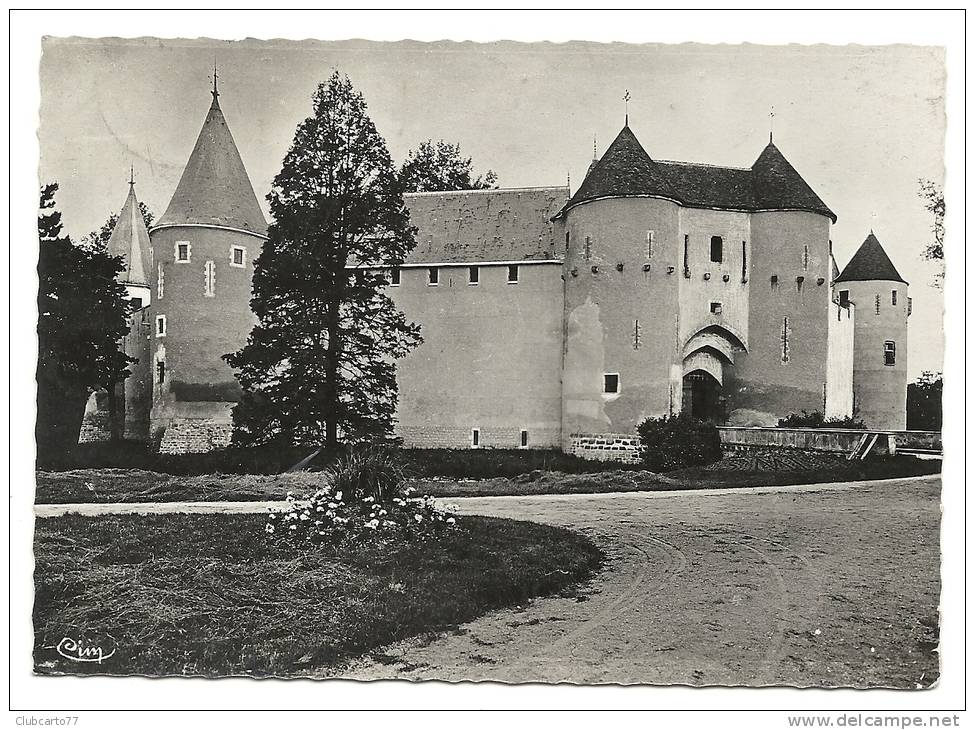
<point x="871" y="282"/>
<point x="203" y="248"/>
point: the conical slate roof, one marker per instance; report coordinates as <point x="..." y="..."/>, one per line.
<point x="214" y="189"/>
<point x="777" y="185"/>
<point x="627" y="170"/>
<point x="870" y="263"/>
<point x="130" y="241"/>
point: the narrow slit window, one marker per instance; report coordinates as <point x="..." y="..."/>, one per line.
<point x="876" y="304"/>
<point x="717" y="249"/>
<point x="588" y="248"/>
<point x="744" y="262"/>
<point x="890" y="353"/>
<point x="475" y="437"/>
<point x="687" y="263"/>
<point x="161" y="371"/>
<point x="524" y="439"/>
<point x="566" y="240"/>
<point x="611" y="383"/>
<point x="394" y="276"/>
<point x="473" y="275"/>
<point x="433" y="276"/>
<point x="649" y="244"/>
<point x="160" y="281"/>
<point x="805" y="258"/>
<point x="893" y="297"/>
<point x="785" y="339"/>
<point x="513" y="274"/>
<point x="209" y="279"/>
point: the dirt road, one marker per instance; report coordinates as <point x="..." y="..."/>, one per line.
<point x="806" y="586"/>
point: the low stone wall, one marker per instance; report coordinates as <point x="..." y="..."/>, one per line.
<point x="808" y="439"/>
<point x="605" y="447"/>
<point x="929" y="440"/>
<point x="195" y="436"/>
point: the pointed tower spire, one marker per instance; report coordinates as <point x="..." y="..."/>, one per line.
<point x="130" y="240"/>
<point x="214" y="189"/>
<point x="870" y="263"/>
<point x="215" y="93"/>
<point x="626" y="106"/>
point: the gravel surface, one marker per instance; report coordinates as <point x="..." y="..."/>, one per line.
<point x="828" y="585"/>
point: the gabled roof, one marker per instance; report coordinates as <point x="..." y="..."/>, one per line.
<point x="777" y="185"/>
<point x="130" y="241"/>
<point x="626" y="170"/>
<point x="870" y="263"/>
<point x="467" y="226"/>
<point x="214" y="189"/>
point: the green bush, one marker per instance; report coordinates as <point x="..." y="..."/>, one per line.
<point x="815" y="419"/>
<point x="675" y="442"/>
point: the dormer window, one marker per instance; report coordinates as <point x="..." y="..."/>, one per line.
<point x="183" y="252"/>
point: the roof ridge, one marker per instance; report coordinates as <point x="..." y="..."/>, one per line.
<point x="705" y="164"/>
<point x="486" y="190"/>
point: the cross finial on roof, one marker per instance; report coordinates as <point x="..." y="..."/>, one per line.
<point x="594" y="148"/>
<point x="771" y="117"/>
<point x="131" y="175"/>
<point x="215" y="92"/>
<point x="626" y="103"/>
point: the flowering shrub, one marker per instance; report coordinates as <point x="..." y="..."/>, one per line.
<point x="363" y="497"/>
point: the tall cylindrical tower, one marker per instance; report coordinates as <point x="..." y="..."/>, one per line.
<point x="203" y="249"/>
<point x="879" y="293"/>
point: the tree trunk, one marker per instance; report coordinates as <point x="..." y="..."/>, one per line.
<point x="332" y="356"/>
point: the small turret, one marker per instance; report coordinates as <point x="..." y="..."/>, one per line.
<point x="130" y="242"/>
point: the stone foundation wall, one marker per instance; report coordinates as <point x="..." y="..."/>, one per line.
<point x="605" y="447"/>
<point x="195" y="436"/>
<point x="95" y="426"/>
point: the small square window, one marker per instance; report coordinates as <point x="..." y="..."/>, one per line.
<point x="394" y="276"/>
<point x="524" y="439"/>
<point x="475" y="437"/>
<point x="890" y="353"/>
<point x="473" y="275"/>
<point x="611" y="383"/>
<point x="183" y="252"/>
<point x="238" y="256"/>
<point x="433" y="276"/>
<point x="513" y="274"/>
<point x="160" y="325"/>
<point x="715" y="307"/>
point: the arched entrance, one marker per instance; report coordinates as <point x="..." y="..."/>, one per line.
<point x="702" y="396"/>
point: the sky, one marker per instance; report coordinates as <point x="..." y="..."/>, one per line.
<point x="860" y="123"/>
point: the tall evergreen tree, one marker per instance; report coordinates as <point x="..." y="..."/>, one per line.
<point x="320" y="362"/>
<point x="437" y="167"/>
<point x="81" y="318"/>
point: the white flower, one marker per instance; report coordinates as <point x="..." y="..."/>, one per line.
<point x="293" y="527"/>
<point x="332" y="505"/>
<point x="451" y="520"/>
<point x="304" y="516"/>
<point x="338" y="496"/>
<point x="319" y="508"/>
<point x="383" y="512"/>
<point x="418" y="518"/>
<point x="269" y="529"/>
<point x="368" y="499"/>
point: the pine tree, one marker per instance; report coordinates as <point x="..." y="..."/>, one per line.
<point x="432" y="168"/>
<point x="321" y="360"/>
<point x="81" y="319"/>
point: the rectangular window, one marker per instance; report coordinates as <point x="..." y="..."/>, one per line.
<point x="799" y="280"/>
<point x="717" y="249"/>
<point x="744" y="262"/>
<point x="183" y="252"/>
<point x="844" y="297"/>
<point x="524" y="439"/>
<point x="161" y="371"/>
<point x="876" y="304"/>
<point x="611" y="382"/>
<point x="160" y="281"/>
<point x="687" y="263"/>
<point x="473" y="275"/>
<point x="588" y="248"/>
<point x="910" y="305"/>
<point x="649" y="244"/>
<point x="774" y="281"/>
<point x="715" y="307"/>
<point x="209" y="279"/>
<point x="513" y="274"/>
<point x="805" y="258"/>
<point x="238" y="256"/>
<point x="394" y="276"/>
<point x="785" y="339"/>
<point x="893" y="297"/>
<point x="890" y="353"/>
<point x="475" y="437"/>
<point x="160" y="325"/>
<point x="433" y="276"/>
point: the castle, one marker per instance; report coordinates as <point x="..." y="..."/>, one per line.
<point x="549" y="318"/>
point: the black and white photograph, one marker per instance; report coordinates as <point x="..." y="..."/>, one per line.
<point x="490" y="364"/>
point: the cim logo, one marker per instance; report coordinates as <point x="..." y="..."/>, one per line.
<point x="89" y="648"/>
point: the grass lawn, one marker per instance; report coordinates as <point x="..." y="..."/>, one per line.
<point x="735" y="470"/>
<point x="207" y="595"/>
